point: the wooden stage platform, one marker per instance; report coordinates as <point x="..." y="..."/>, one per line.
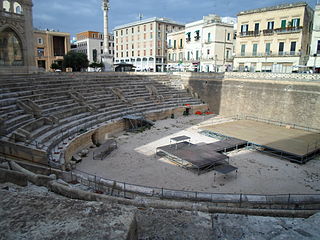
<point x="293" y="144"/>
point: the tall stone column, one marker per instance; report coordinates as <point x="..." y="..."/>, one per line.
<point x="29" y="57"/>
<point x="106" y="57"/>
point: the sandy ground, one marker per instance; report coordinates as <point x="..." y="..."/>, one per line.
<point x="135" y="162"/>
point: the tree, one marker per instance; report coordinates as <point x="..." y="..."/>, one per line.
<point x="76" y="61"/>
<point x="54" y="66"/>
<point x="96" y="65"/>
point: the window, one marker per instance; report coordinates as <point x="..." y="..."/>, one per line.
<point x="268" y="45"/>
<point x="256" y="27"/>
<point x="270" y="25"/>
<point x="40" y="52"/>
<point x="127" y="31"/>
<point x="181" y="45"/>
<point x="208" y="51"/>
<point x="293" y="48"/>
<point x="101" y="44"/>
<point x="151" y="35"/>
<point x="318" y="47"/>
<point x="229" y="36"/>
<point x="197" y="36"/>
<point x="188" y="56"/>
<point x="94" y="55"/>
<point x="188" y="37"/>
<point x="243" y="50"/>
<point x="144" y="27"/>
<point x="132" y="30"/>
<point x="254" y="49"/>
<point x="175" y="44"/>
<point x="169" y="56"/>
<point x="209" y="37"/>
<point x="40" y="40"/>
<point x="197" y="55"/>
<point x="296" y="22"/>
<point x="283" y="24"/>
<point x="227" y="54"/>
<point x="244" y="28"/>
<point x="180" y="56"/>
<point x="132" y="53"/>
<point x="121" y="32"/>
<point x="281" y="48"/>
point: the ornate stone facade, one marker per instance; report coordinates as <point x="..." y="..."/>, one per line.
<point x="16" y="37"/>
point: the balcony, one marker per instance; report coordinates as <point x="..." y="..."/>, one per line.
<point x="268" y="32"/>
<point x="266" y="55"/>
<point x="288" y="30"/>
<point x="196" y="38"/>
<point x="250" y="34"/>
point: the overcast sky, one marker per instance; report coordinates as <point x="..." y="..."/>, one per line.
<point x="76" y="16"/>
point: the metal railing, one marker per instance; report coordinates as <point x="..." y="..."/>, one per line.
<point x="127" y="190"/>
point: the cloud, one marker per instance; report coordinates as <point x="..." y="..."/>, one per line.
<point x="80" y="15"/>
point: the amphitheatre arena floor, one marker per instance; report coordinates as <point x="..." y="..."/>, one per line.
<point x="135" y="162"/>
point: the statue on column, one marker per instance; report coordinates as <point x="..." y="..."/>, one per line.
<point x="105" y="5"/>
<point x="107" y="59"/>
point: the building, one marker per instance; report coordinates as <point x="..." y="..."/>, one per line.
<point x="314" y="59"/>
<point x="274" y="39"/>
<point x="176" y="42"/>
<point x="16" y="37"/>
<point x="209" y="45"/>
<point x="50" y="47"/>
<point x="91" y="43"/>
<point x="144" y="43"/>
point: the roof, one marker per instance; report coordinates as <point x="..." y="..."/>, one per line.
<point x="143" y="21"/>
<point x="273" y="8"/>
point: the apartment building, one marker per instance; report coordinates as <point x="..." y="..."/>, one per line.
<point x="176" y="42"/>
<point x="209" y="45"/>
<point x="91" y="43"/>
<point x="314" y="59"/>
<point x="50" y="47"/>
<point x="274" y="39"/>
<point x="144" y="43"/>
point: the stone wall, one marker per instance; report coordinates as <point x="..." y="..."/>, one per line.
<point x="264" y="95"/>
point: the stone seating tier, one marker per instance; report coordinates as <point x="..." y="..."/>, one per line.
<point x="74" y="103"/>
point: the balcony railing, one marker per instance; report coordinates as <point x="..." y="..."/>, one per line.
<point x="278" y="54"/>
<point x="250" y="34"/>
<point x="288" y="30"/>
<point x="268" y="32"/>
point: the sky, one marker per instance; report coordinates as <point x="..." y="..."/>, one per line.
<point x="75" y="16"/>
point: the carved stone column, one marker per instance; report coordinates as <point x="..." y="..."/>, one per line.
<point x="106" y="58"/>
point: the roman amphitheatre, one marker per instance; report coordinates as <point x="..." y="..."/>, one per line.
<point x="187" y="142"/>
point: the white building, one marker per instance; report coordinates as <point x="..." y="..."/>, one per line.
<point x="314" y="59"/>
<point x="91" y="43"/>
<point x="209" y="44"/>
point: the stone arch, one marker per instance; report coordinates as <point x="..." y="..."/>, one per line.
<point x="6" y="6"/>
<point x="17" y="8"/>
<point x="11" y="47"/>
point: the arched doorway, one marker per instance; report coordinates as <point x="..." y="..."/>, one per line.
<point x="10" y="48"/>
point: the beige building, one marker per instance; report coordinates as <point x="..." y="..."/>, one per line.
<point x="176" y="43"/>
<point x="50" y="47"/>
<point x="144" y="43"/>
<point x="274" y="39"/>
